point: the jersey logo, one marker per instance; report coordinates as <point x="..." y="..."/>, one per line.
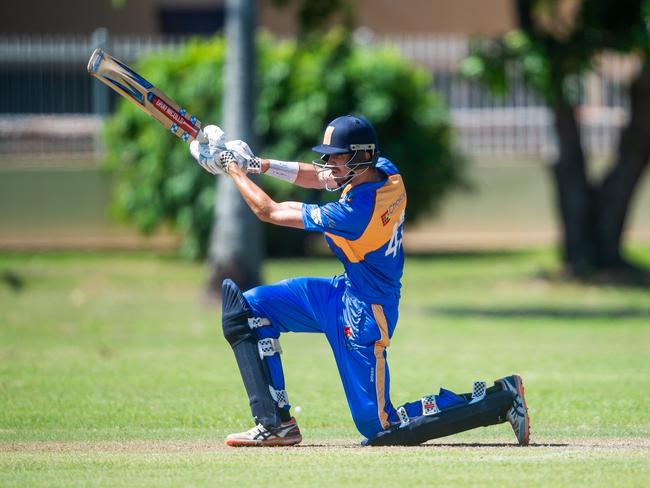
<point x="388" y="214"/>
<point x="316" y="216"/>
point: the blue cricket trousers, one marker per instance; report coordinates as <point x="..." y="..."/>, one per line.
<point x="358" y="333"/>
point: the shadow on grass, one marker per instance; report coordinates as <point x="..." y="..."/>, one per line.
<point x="489" y="444"/>
<point x="541" y="312"/>
<point x="458" y="445"/>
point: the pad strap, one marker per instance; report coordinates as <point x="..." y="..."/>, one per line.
<point x="479" y="390"/>
<point x="404" y="418"/>
<point x="269" y="347"/>
<point x="256" y="322"/>
<point x="429" y="405"/>
<point x="279" y="396"/>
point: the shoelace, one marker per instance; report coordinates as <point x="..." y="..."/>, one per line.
<point x="259" y="430"/>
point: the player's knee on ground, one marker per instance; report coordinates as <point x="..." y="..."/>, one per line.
<point x="486" y="408"/>
<point x="368" y="421"/>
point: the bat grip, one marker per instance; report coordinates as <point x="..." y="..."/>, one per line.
<point x="201" y="137"/>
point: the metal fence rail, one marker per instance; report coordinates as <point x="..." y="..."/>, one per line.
<point x="51" y="109"/>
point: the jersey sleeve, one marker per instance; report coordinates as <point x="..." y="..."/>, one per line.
<point x="338" y="218"/>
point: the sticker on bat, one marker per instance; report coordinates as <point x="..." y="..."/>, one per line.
<point x="172" y="114"/>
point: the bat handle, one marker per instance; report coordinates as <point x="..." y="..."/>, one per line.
<point x="201" y="137"/>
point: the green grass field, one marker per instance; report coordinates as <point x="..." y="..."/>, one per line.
<point x="112" y="372"/>
<point x="511" y="206"/>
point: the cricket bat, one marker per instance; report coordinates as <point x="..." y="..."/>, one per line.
<point x="145" y="96"/>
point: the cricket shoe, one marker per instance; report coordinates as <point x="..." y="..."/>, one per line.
<point x="518" y="413"/>
<point x="287" y="434"/>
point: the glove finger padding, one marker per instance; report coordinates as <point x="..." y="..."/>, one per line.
<point x="207" y="153"/>
<point x="205" y="157"/>
<point x="212" y="166"/>
<point x="216" y="137"/>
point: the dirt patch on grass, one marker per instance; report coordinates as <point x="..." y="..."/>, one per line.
<point x="114" y="446"/>
<point x="173" y="446"/>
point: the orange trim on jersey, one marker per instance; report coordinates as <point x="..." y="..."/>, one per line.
<point x="380" y="363"/>
<point x="390" y="203"/>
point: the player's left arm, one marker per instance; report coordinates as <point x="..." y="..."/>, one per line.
<point x="287" y="214"/>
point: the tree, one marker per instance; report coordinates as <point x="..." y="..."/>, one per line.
<point x="313" y="16"/>
<point x="235" y="243"/>
<point x="557" y="41"/>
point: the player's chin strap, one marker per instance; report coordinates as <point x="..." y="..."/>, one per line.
<point x="356" y="161"/>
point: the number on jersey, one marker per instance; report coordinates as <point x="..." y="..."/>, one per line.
<point x="396" y="239"/>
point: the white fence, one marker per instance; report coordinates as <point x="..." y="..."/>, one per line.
<point x="51" y="109"/>
<point x="520" y="125"/>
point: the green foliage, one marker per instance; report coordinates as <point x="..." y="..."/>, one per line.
<point x="313" y="16"/>
<point x="300" y="89"/>
<point x="553" y="45"/>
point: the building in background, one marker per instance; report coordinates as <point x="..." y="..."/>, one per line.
<point x="152" y="17"/>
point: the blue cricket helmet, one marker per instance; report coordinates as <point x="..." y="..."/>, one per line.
<point x="348" y="134"/>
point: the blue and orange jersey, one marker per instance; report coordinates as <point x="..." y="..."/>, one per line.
<point x="364" y="230"/>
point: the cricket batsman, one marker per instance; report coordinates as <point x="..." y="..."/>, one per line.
<point x="357" y="310"/>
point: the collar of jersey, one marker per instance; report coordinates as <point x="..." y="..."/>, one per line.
<point x="367" y="186"/>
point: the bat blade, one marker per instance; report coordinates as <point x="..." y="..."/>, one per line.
<point x="144" y="95"/>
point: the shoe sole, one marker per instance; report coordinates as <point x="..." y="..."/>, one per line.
<point x="271" y="443"/>
<point x="520" y="388"/>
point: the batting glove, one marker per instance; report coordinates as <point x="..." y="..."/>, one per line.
<point x="208" y="154"/>
<point x="241" y="153"/>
